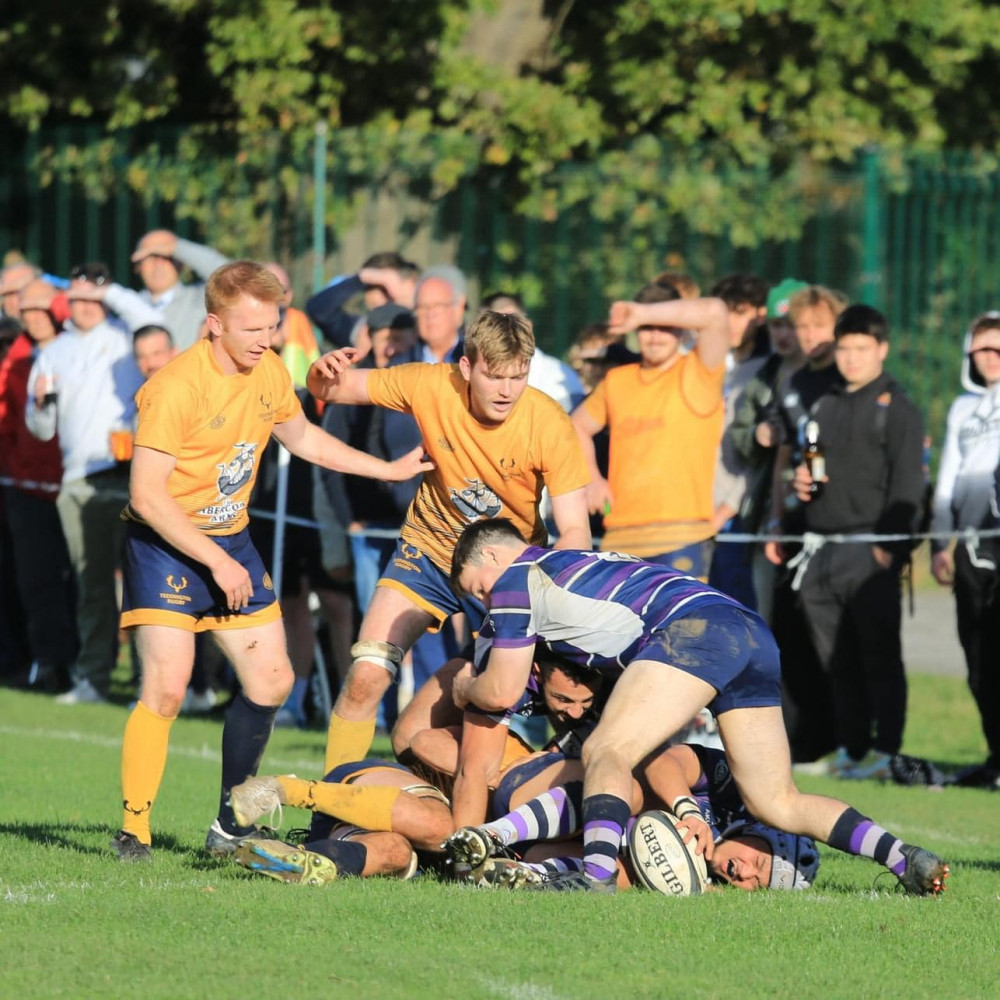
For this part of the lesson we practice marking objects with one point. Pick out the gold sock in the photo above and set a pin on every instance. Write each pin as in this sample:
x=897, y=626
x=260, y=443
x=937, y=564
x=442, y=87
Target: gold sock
x=144, y=758
x=367, y=806
x=347, y=742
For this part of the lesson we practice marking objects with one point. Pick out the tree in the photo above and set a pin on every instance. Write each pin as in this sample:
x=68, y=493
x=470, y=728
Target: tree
x=680, y=105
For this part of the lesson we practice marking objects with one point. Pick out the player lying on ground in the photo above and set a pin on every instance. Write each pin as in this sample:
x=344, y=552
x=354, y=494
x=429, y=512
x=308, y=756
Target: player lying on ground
x=692, y=781
x=371, y=817
x=392, y=798
x=676, y=646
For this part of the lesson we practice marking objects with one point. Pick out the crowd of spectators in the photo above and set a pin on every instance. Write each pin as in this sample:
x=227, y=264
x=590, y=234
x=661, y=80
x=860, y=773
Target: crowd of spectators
x=694, y=427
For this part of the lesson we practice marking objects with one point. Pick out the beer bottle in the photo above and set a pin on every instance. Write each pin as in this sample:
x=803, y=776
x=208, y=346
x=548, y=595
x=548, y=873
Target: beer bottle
x=813, y=457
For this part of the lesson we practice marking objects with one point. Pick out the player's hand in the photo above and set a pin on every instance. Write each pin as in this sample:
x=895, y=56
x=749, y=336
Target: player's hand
x=413, y=463
x=624, y=317
x=325, y=372
x=334, y=363
x=695, y=828
x=599, y=497
x=461, y=684
x=234, y=581
x=943, y=568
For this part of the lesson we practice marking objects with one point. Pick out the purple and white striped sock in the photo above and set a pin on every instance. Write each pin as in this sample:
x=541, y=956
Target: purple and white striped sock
x=552, y=815
x=604, y=820
x=554, y=866
x=856, y=834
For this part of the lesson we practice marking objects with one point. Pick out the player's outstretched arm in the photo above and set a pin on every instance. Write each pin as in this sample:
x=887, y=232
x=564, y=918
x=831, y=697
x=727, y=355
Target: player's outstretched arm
x=599, y=497
x=500, y=685
x=569, y=511
x=707, y=318
x=311, y=443
x=333, y=379
x=150, y=499
x=670, y=776
x=479, y=755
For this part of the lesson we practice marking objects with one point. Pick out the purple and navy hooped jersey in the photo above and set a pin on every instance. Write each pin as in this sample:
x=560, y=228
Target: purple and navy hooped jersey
x=594, y=608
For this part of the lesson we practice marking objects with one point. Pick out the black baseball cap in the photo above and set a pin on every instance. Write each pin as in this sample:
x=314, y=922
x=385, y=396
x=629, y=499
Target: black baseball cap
x=392, y=316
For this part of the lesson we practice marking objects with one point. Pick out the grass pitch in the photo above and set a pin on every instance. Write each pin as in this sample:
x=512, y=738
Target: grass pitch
x=76, y=923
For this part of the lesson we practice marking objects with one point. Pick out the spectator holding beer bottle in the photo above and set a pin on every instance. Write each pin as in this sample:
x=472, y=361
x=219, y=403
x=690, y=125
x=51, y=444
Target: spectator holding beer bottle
x=864, y=448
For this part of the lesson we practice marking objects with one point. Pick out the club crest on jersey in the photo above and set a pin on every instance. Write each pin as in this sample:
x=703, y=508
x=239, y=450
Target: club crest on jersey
x=268, y=412
x=476, y=501
x=235, y=474
x=509, y=469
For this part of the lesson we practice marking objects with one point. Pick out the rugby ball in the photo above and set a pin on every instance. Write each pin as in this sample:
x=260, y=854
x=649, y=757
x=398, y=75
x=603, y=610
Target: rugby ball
x=660, y=858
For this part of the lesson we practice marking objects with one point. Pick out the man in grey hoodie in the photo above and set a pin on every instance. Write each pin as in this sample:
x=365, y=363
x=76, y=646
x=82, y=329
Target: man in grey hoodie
x=962, y=500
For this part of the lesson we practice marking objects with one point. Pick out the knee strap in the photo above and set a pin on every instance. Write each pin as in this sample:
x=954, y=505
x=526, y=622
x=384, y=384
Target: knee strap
x=382, y=654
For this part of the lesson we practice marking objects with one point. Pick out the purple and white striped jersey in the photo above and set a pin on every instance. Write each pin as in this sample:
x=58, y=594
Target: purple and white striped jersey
x=594, y=608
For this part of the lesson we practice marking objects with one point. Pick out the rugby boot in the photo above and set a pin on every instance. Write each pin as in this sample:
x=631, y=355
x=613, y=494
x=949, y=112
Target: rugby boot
x=925, y=874
x=130, y=848
x=576, y=882
x=286, y=863
x=256, y=797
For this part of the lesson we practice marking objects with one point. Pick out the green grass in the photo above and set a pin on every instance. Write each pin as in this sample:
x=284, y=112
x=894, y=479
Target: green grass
x=75, y=923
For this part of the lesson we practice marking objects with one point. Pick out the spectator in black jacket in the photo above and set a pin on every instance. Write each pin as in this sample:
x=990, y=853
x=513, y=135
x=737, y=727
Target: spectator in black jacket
x=872, y=436
x=384, y=278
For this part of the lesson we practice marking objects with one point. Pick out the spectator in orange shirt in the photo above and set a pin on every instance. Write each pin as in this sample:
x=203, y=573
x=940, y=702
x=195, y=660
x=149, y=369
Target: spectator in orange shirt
x=665, y=419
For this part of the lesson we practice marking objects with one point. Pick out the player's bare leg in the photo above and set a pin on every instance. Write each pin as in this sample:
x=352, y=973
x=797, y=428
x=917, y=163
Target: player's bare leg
x=650, y=702
x=757, y=750
x=391, y=625
x=167, y=657
x=431, y=708
x=259, y=655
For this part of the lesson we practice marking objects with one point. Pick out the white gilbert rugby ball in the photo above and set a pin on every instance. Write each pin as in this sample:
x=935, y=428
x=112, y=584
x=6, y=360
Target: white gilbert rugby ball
x=660, y=858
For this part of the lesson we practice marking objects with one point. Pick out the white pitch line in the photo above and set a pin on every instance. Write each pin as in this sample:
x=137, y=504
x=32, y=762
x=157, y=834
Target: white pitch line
x=519, y=991
x=204, y=752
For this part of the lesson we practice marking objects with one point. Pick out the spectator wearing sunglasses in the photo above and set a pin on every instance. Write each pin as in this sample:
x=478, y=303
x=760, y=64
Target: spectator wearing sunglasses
x=962, y=496
x=81, y=388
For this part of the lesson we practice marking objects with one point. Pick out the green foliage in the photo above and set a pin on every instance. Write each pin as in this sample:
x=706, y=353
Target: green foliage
x=682, y=107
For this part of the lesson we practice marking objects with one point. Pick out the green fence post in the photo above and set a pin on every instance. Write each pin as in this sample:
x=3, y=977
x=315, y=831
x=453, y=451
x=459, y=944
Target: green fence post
x=33, y=239
x=871, y=258
x=319, y=206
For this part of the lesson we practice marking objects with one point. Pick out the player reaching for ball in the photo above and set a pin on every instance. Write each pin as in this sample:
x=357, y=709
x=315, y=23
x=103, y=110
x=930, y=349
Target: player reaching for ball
x=693, y=782
x=676, y=646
